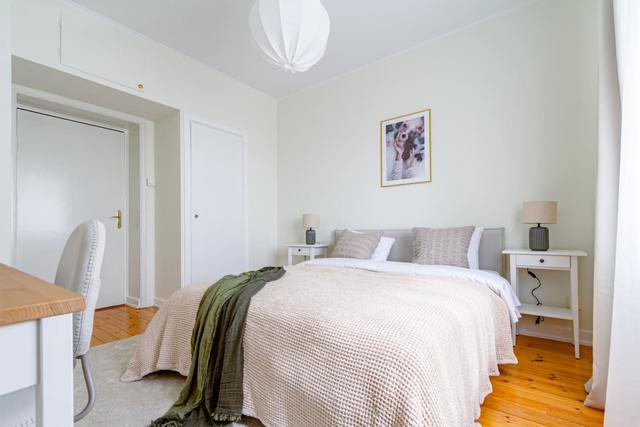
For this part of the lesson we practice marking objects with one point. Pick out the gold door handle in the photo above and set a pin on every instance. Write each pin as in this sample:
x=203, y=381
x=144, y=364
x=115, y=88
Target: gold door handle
x=119, y=218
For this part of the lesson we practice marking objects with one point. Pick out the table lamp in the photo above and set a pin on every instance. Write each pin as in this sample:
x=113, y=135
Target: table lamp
x=539, y=213
x=311, y=221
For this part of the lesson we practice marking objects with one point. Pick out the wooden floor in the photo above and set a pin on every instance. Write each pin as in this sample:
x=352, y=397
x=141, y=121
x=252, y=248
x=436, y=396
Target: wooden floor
x=122, y=321
x=545, y=388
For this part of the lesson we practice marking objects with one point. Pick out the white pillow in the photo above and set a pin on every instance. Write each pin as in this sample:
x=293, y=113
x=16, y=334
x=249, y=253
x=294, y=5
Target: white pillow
x=474, y=249
x=384, y=248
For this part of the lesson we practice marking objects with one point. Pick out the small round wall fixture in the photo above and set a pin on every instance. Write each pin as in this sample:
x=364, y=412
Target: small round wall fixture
x=291, y=34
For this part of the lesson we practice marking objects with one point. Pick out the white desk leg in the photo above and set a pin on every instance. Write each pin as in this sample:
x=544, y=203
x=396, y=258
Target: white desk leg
x=54, y=392
x=513, y=278
x=574, y=305
x=289, y=258
x=312, y=254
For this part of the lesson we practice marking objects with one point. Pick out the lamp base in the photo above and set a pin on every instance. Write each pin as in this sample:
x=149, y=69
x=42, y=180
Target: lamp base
x=539, y=238
x=311, y=236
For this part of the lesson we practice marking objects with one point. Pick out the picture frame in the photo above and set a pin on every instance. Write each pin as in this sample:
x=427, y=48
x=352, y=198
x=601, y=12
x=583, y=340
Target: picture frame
x=405, y=149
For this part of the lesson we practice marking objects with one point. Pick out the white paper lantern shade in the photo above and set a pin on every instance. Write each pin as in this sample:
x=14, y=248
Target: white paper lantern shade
x=292, y=34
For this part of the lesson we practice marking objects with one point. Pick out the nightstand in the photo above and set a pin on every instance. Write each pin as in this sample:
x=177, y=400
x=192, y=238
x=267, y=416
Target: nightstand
x=311, y=251
x=566, y=260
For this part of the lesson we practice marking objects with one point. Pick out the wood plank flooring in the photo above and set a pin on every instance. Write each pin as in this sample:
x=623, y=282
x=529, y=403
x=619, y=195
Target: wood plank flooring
x=545, y=389
x=121, y=321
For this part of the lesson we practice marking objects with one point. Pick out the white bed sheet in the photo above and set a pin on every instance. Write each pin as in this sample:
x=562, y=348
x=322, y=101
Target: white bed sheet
x=491, y=279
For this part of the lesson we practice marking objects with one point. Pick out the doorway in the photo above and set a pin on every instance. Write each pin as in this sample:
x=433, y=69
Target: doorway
x=68, y=171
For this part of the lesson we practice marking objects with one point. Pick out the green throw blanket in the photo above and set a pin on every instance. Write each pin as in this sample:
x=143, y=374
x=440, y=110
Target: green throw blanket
x=212, y=394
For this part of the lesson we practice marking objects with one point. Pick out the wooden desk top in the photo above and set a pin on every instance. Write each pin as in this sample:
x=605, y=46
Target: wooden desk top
x=24, y=297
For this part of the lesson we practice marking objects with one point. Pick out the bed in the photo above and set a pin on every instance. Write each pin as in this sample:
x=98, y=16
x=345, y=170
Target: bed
x=359, y=342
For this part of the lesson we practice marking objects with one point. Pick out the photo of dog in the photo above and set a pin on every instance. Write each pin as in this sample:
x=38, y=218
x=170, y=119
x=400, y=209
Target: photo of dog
x=406, y=149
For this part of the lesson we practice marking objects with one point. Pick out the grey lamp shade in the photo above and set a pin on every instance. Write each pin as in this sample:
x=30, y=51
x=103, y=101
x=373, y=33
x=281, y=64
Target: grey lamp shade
x=539, y=212
x=310, y=220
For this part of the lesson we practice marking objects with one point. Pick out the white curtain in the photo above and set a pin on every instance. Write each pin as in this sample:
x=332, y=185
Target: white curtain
x=608, y=155
x=616, y=371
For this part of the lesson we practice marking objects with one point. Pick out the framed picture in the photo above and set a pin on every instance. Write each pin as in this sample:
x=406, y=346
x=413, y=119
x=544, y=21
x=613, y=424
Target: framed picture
x=405, y=149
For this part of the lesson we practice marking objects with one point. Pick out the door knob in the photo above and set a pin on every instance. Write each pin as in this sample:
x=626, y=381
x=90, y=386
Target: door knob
x=118, y=217
x=196, y=216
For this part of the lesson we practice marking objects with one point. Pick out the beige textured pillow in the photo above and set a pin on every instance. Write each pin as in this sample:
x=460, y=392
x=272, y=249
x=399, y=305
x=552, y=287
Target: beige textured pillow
x=442, y=246
x=355, y=245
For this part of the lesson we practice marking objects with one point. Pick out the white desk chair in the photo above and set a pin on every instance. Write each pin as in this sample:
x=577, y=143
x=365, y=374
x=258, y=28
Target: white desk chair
x=79, y=271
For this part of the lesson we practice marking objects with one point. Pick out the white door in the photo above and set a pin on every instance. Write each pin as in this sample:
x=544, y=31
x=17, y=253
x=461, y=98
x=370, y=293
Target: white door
x=67, y=173
x=218, y=228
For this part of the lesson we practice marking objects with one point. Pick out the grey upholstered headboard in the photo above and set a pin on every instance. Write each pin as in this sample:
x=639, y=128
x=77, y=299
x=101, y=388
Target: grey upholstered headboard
x=491, y=246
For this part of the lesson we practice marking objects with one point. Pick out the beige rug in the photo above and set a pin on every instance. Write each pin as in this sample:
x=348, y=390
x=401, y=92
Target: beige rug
x=122, y=404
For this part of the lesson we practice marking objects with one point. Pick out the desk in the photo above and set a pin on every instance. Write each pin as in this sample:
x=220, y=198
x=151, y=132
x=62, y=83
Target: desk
x=36, y=350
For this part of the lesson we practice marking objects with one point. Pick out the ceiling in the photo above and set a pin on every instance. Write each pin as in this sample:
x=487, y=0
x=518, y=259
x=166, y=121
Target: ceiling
x=216, y=32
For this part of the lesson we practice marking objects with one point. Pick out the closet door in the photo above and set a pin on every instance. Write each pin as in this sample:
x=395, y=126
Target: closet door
x=216, y=192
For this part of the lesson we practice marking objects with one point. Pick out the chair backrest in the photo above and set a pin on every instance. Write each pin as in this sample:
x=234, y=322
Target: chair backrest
x=79, y=271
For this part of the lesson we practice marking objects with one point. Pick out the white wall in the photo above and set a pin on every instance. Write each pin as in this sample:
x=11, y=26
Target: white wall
x=6, y=163
x=167, y=160
x=513, y=104
x=133, y=212
x=172, y=79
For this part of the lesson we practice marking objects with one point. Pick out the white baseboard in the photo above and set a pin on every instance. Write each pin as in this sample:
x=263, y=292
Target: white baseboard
x=149, y=302
x=133, y=302
x=138, y=303
x=558, y=334
x=158, y=301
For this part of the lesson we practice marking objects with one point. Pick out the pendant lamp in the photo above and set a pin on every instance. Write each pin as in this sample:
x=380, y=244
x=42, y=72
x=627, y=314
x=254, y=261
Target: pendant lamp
x=292, y=34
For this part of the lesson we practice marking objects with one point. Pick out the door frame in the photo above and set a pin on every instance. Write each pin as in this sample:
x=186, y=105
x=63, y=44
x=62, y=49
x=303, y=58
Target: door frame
x=146, y=183
x=185, y=194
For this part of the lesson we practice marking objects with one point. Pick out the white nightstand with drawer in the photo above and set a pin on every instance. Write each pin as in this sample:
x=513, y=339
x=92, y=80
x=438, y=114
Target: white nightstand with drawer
x=566, y=260
x=311, y=251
